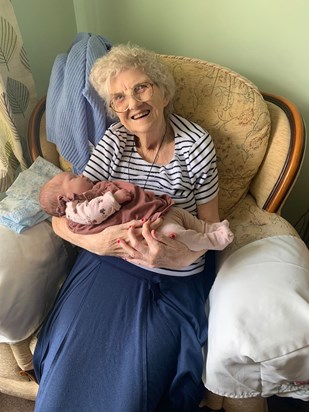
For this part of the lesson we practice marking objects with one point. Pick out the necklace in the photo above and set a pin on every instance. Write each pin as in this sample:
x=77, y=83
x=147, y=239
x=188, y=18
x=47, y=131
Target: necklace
x=154, y=160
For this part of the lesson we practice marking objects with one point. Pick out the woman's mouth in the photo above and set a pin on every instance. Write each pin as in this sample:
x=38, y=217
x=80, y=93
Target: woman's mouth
x=140, y=115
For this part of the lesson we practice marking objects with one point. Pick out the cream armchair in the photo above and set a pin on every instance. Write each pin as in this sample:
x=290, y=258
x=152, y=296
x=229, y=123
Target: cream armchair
x=260, y=141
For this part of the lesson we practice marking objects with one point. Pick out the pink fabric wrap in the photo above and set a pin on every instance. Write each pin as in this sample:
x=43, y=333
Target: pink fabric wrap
x=144, y=204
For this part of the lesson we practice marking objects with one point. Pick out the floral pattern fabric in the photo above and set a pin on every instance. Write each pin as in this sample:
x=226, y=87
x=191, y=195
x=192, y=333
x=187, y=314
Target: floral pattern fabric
x=233, y=110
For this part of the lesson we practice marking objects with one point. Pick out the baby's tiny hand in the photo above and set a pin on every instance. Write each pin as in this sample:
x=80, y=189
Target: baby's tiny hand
x=122, y=195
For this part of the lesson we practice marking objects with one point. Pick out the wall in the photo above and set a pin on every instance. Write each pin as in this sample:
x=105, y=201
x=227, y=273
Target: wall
x=266, y=41
x=48, y=28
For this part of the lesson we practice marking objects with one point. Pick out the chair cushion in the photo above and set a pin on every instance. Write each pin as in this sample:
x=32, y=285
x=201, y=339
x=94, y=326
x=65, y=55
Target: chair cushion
x=249, y=223
x=232, y=109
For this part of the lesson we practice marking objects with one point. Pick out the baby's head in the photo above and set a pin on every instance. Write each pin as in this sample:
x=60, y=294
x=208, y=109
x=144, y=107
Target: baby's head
x=62, y=186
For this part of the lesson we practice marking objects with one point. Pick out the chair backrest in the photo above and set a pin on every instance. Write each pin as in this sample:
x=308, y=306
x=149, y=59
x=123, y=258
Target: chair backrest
x=259, y=138
x=233, y=110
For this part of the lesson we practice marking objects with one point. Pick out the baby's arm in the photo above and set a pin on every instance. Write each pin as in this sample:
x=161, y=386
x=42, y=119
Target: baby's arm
x=96, y=210
x=122, y=196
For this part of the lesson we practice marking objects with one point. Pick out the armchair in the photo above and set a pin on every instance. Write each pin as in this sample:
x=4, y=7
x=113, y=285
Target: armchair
x=260, y=140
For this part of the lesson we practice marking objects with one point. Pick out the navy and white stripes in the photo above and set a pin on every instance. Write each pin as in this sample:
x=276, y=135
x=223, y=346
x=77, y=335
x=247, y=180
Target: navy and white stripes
x=190, y=178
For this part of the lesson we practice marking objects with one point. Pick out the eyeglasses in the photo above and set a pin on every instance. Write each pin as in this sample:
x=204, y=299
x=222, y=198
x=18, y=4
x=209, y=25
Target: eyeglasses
x=140, y=92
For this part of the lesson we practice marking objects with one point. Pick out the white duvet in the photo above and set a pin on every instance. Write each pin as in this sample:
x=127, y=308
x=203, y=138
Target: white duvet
x=259, y=321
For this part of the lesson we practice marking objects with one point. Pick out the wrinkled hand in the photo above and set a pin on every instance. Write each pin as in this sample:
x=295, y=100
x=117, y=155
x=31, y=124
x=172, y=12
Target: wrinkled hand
x=148, y=248
x=105, y=243
x=134, y=241
x=109, y=242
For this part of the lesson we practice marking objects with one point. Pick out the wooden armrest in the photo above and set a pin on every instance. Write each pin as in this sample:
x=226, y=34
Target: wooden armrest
x=294, y=156
x=34, y=129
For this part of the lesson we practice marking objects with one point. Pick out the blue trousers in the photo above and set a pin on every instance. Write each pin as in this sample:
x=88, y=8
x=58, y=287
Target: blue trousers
x=121, y=338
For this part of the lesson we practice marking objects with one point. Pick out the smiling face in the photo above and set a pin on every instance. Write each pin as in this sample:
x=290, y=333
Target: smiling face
x=142, y=118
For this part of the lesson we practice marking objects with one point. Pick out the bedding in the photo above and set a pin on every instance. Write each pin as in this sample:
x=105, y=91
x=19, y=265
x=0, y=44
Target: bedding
x=259, y=321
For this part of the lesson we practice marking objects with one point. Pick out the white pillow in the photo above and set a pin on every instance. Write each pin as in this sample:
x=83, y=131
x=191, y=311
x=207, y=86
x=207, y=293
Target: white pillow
x=33, y=265
x=259, y=321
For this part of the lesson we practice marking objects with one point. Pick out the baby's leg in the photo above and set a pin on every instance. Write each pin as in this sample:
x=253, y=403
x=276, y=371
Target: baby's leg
x=195, y=233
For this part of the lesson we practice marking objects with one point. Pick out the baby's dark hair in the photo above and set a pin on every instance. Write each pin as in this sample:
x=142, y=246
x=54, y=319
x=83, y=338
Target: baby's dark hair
x=49, y=198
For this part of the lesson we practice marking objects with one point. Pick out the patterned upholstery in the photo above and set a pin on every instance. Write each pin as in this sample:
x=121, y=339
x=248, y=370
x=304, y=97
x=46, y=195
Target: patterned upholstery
x=252, y=139
x=232, y=109
x=235, y=113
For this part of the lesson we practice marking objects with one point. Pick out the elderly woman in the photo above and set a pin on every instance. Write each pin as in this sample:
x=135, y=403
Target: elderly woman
x=127, y=330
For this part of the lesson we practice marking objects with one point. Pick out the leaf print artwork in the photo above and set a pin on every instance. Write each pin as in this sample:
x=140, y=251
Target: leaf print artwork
x=7, y=118
x=24, y=59
x=7, y=126
x=18, y=95
x=8, y=157
x=8, y=41
x=9, y=149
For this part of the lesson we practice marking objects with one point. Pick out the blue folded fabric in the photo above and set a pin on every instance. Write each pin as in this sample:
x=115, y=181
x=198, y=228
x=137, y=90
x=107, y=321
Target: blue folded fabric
x=20, y=209
x=75, y=114
x=17, y=214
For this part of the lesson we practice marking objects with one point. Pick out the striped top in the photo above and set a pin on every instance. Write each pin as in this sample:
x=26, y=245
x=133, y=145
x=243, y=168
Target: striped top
x=190, y=178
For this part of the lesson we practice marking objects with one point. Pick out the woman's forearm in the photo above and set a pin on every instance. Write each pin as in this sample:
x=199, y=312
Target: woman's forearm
x=95, y=243
x=105, y=243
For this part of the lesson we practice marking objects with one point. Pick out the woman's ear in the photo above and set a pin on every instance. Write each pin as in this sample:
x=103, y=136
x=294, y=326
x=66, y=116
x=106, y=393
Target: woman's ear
x=166, y=98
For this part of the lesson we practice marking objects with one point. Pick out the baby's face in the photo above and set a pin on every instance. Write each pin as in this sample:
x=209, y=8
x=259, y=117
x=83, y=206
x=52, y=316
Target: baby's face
x=75, y=184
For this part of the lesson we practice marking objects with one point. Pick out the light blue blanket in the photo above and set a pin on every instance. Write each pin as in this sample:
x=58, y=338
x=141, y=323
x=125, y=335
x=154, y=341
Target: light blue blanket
x=75, y=114
x=20, y=209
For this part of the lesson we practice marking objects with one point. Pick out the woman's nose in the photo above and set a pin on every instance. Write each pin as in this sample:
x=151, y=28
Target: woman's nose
x=133, y=102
